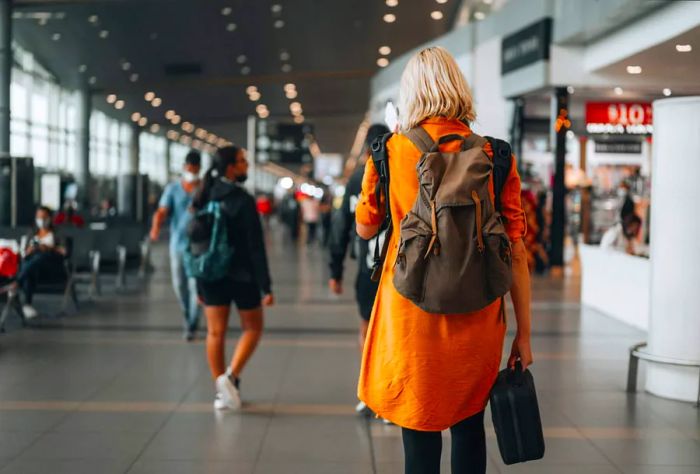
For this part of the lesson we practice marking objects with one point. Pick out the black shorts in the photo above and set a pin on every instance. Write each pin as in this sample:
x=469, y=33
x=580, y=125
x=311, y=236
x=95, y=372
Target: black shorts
x=245, y=295
x=365, y=293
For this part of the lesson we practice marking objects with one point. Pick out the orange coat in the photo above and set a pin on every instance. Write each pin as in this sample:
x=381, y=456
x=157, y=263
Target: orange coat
x=419, y=370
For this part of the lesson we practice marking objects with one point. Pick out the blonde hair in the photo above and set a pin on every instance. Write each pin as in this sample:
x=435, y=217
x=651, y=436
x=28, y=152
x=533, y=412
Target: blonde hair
x=433, y=86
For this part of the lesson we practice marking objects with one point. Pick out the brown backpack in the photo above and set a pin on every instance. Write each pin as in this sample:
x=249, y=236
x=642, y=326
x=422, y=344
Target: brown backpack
x=454, y=254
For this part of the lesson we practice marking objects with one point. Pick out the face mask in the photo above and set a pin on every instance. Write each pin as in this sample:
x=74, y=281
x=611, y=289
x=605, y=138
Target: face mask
x=189, y=177
x=40, y=223
x=242, y=178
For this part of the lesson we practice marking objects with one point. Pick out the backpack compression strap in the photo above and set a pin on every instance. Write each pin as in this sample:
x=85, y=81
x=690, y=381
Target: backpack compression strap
x=380, y=159
x=502, y=160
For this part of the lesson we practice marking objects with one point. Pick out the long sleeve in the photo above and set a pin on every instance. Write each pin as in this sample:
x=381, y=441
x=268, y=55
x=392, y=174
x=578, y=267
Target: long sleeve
x=369, y=211
x=342, y=226
x=256, y=246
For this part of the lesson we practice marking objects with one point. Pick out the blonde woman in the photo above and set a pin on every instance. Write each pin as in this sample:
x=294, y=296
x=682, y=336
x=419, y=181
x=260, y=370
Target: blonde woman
x=430, y=372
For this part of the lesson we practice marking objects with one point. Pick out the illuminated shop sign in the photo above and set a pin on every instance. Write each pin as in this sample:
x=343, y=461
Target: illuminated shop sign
x=619, y=118
x=527, y=46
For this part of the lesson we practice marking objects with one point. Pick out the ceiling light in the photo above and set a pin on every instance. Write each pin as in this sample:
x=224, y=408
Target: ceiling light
x=570, y=89
x=221, y=142
x=241, y=59
x=385, y=50
x=93, y=19
x=295, y=106
x=111, y=98
x=173, y=135
x=92, y=80
x=392, y=3
x=175, y=120
x=684, y=48
x=170, y=114
x=299, y=119
x=226, y=11
x=291, y=94
x=436, y=15
x=134, y=77
x=618, y=91
x=156, y=102
x=441, y=1
x=286, y=68
x=119, y=104
x=634, y=69
x=43, y=21
x=285, y=56
x=231, y=27
x=276, y=8
x=135, y=117
x=382, y=62
x=149, y=96
x=126, y=65
x=260, y=108
x=211, y=138
x=389, y=18
x=201, y=133
x=667, y=92
x=245, y=70
x=185, y=140
x=56, y=36
x=488, y=2
x=264, y=114
x=82, y=68
x=186, y=125
x=290, y=87
x=279, y=24
x=251, y=89
x=155, y=128
x=255, y=96
x=143, y=122
x=104, y=34
x=479, y=16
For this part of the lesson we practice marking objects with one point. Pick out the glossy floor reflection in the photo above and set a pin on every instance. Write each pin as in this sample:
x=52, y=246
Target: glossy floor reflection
x=113, y=389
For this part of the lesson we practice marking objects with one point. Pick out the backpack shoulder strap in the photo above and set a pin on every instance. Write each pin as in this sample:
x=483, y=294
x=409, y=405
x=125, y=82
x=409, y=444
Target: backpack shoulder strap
x=380, y=159
x=421, y=139
x=502, y=161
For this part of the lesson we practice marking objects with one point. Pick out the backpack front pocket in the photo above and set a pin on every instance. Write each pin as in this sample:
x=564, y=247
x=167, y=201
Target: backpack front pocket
x=498, y=258
x=411, y=260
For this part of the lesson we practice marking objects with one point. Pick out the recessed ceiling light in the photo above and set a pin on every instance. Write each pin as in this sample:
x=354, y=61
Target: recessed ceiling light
x=155, y=128
x=226, y=11
x=126, y=65
x=56, y=36
x=441, y=1
x=149, y=96
x=684, y=48
x=260, y=107
x=93, y=19
x=92, y=80
x=634, y=69
x=111, y=98
x=250, y=89
x=667, y=92
x=134, y=77
x=285, y=56
x=299, y=119
x=286, y=68
x=382, y=62
x=135, y=117
x=436, y=15
x=289, y=87
x=241, y=59
x=175, y=120
x=119, y=104
x=255, y=96
x=479, y=16
x=156, y=102
x=385, y=50
x=279, y=24
x=488, y=2
x=295, y=108
x=570, y=89
x=143, y=122
x=231, y=27
x=82, y=68
x=291, y=94
x=618, y=90
x=264, y=114
x=276, y=8
x=43, y=21
x=389, y=18
x=392, y=3
x=104, y=34
x=245, y=70
x=170, y=114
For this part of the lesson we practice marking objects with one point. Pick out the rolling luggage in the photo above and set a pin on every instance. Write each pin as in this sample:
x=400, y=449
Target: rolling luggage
x=516, y=416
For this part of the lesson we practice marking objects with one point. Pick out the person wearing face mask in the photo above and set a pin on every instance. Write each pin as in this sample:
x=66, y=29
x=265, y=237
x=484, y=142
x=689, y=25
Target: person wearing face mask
x=175, y=205
x=41, y=256
x=247, y=283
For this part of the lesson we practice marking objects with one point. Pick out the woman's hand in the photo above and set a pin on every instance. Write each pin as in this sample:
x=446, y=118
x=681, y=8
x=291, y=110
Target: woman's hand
x=268, y=300
x=520, y=350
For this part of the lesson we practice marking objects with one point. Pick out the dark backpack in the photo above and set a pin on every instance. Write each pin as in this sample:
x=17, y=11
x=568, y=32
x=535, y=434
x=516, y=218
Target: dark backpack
x=454, y=254
x=208, y=254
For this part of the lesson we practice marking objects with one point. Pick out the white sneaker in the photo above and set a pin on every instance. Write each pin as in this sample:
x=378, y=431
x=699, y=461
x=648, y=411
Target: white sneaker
x=29, y=311
x=219, y=403
x=230, y=396
x=361, y=408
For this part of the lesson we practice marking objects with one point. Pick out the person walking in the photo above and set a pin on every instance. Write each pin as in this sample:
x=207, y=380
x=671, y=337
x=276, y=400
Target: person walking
x=175, y=205
x=247, y=285
x=343, y=235
x=430, y=372
x=311, y=214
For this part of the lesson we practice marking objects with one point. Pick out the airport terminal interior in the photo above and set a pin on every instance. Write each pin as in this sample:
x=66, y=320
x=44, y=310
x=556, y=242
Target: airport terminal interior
x=121, y=120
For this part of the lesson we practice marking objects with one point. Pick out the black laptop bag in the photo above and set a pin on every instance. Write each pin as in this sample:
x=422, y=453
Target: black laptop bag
x=516, y=416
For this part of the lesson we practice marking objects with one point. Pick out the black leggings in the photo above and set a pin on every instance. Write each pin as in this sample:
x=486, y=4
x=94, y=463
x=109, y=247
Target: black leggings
x=422, y=449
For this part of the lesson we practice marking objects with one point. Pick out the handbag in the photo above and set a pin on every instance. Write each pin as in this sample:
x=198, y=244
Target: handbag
x=516, y=416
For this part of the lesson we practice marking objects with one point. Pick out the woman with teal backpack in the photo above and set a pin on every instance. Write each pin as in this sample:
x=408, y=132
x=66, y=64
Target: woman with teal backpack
x=247, y=281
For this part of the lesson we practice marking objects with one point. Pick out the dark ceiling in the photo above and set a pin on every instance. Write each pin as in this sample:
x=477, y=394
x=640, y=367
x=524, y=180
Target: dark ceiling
x=330, y=45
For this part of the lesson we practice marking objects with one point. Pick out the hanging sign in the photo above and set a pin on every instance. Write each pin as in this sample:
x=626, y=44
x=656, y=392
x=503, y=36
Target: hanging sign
x=619, y=118
x=527, y=46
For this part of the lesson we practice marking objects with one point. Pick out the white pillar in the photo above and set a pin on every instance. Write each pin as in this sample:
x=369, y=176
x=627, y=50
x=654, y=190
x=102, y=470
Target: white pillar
x=674, y=326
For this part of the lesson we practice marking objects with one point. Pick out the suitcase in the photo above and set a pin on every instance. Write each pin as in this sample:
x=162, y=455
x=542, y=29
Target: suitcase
x=516, y=416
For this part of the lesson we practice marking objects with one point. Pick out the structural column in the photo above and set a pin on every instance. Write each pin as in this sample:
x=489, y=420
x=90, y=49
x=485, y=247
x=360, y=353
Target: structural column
x=560, y=125
x=129, y=192
x=251, y=138
x=674, y=326
x=168, y=159
x=84, y=111
x=5, y=73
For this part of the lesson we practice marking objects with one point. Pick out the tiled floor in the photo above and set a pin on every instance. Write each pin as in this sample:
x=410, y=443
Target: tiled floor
x=113, y=389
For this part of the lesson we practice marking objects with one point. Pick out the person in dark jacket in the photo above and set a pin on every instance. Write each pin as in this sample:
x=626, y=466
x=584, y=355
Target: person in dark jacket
x=342, y=236
x=248, y=284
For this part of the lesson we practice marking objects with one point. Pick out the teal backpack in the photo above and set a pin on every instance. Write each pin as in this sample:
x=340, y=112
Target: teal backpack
x=208, y=254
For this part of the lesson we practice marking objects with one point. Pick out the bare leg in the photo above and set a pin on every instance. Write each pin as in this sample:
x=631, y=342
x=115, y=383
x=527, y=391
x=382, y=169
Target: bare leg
x=364, y=325
x=217, y=323
x=252, y=327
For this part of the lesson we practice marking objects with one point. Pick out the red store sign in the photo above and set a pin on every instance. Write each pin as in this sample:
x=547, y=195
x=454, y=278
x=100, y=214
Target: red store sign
x=619, y=118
